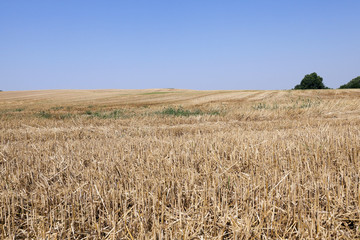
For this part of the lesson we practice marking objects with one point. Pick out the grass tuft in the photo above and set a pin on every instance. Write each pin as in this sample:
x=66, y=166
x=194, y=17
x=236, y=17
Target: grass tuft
x=115, y=114
x=43, y=114
x=181, y=112
x=57, y=108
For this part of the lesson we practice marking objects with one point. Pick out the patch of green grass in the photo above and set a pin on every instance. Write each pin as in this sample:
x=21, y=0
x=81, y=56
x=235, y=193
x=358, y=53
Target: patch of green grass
x=48, y=115
x=65, y=116
x=88, y=112
x=115, y=114
x=170, y=111
x=213, y=112
x=44, y=114
x=305, y=103
x=260, y=106
x=19, y=109
x=57, y=108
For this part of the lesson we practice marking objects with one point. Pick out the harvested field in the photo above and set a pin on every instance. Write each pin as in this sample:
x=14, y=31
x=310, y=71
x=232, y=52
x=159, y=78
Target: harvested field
x=180, y=164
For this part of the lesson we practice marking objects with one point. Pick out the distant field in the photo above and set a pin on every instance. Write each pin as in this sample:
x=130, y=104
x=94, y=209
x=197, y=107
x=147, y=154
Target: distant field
x=179, y=164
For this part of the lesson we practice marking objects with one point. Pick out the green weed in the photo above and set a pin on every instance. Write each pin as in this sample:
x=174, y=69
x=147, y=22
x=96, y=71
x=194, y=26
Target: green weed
x=57, y=108
x=261, y=106
x=44, y=114
x=116, y=114
x=170, y=111
x=65, y=116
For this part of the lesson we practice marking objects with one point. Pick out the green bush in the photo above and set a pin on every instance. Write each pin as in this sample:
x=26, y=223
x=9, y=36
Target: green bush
x=355, y=83
x=311, y=81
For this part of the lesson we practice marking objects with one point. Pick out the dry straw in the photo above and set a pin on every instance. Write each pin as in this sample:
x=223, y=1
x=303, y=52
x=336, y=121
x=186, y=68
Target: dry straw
x=242, y=165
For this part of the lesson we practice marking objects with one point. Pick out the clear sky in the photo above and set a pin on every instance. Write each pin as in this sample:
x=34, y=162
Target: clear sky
x=191, y=44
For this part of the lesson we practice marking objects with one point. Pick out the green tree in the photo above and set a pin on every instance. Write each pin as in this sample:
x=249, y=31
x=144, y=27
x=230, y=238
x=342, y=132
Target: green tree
x=355, y=83
x=311, y=81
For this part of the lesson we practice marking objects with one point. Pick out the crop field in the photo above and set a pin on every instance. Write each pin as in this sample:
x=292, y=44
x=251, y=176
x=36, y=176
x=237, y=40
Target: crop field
x=180, y=164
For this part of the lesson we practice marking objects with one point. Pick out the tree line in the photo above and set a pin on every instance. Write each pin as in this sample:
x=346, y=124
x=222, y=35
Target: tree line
x=314, y=81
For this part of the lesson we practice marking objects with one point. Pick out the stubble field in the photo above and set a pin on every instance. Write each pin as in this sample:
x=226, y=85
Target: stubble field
x=179, y=164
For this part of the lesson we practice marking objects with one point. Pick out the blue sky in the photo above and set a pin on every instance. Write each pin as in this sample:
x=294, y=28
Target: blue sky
x=188, y=44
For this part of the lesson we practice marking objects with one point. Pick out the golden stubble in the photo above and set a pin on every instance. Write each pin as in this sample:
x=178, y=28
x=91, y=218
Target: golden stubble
x=267, y=165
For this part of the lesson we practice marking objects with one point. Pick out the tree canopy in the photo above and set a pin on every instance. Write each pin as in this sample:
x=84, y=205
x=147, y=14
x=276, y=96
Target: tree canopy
x=311, y=81
x=355, y=83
